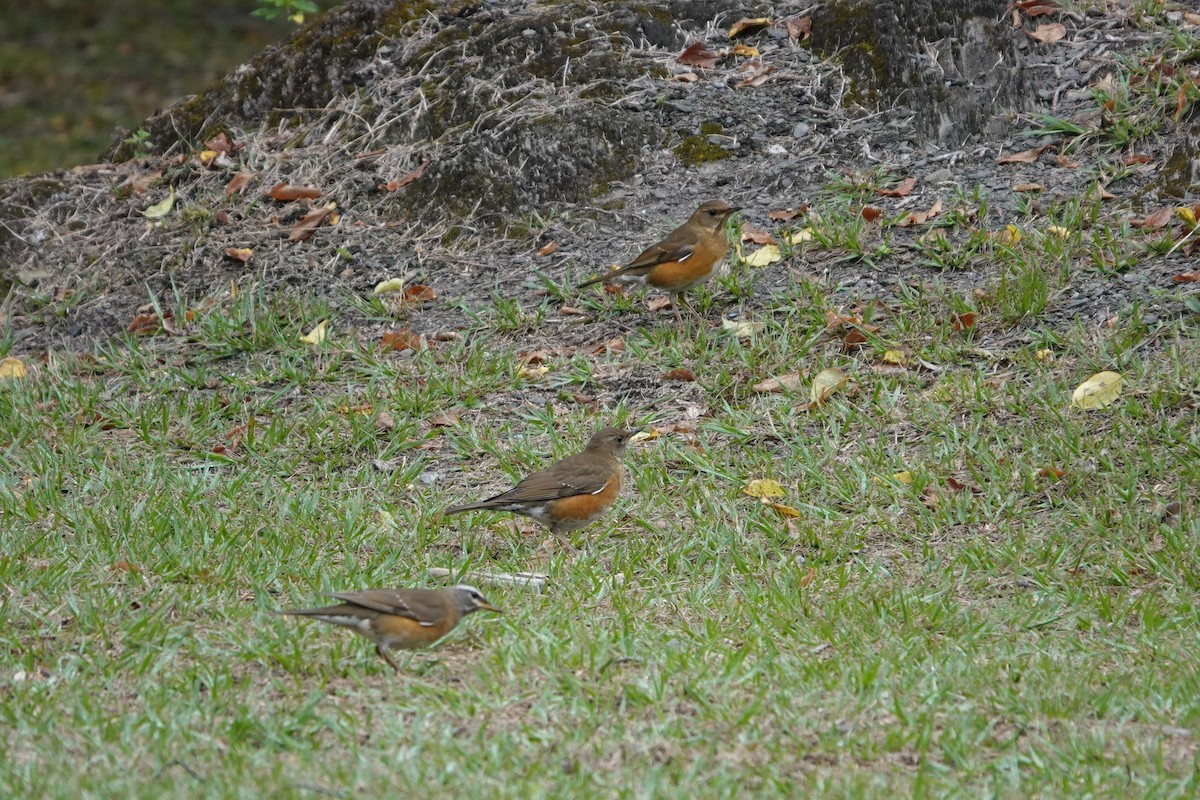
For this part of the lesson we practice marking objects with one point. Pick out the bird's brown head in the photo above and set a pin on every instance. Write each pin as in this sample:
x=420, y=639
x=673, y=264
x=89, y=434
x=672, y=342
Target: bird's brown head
x=712, y=214
x=469, y=599
x=610, y=440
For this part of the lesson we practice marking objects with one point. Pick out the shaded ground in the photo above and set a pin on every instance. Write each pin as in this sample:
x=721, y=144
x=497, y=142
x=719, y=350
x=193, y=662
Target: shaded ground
x=73, y=73
x=83, y=259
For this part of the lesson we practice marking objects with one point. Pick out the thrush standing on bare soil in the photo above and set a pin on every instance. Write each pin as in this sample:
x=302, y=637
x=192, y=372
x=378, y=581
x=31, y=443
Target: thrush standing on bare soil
x=400, y=619
x=570, y=494
x=687, y=257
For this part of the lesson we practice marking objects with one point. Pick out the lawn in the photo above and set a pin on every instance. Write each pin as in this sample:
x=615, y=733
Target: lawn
x=968, y=588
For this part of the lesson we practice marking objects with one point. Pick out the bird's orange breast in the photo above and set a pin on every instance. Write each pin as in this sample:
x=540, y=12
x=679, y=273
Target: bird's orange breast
x=404, y=633
x=679, y=275
x=581, y=509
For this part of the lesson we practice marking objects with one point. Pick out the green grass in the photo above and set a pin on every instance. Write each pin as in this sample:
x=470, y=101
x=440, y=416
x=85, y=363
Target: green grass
x=1023, y=636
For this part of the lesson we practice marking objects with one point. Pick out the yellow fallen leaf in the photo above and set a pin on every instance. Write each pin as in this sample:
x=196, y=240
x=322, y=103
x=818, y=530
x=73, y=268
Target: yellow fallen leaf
x=768, y=254
x=799, y=237
x=161, y=208
x=645, y=435
x=828, y=381
x=745, y=50
x=530, y=372
x=895, y=357
x=1058, y=231
x=763, y=487
x=389, y=286
x=12, y=367
x=316, y=335
x=1045, y=354
x=1187, y=214
x=1010, y=235
x=742, y=329
x=1097, y=391
x=785, y=511
x=904, y=477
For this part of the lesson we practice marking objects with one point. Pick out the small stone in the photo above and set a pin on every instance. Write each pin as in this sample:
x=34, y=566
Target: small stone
x=801, y=130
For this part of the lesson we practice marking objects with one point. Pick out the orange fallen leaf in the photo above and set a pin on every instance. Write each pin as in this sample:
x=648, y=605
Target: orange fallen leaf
x=696, y=56
x=572, y=311
x=1028, y=187
x=871, y=213
x=614, y=345
x=239, y=253
x=1136, y=158
x=286, y=192
x=1187, y=277
x=143, y=324
x=417, y=293
x=684, y=375
x=547, y=248
x=1051, y=472
x=902, y=189
x=658, y=303
x=755, y=74
x=403, y=339
x=962, y=322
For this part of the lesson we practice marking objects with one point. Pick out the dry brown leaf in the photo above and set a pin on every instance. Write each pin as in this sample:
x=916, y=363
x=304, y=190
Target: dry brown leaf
x=221, y=144
x=1187, y=277
x=685, y=77
x=1159, y=219
x=572, y=311
x=683, y=375
x=1136, y=158
x=1066, y=162
x=1028, y=187
x=902, y=189
x=871, y=213
x=696, y=56
x=411, y=176
x=754, y=73
x=547, y=248
x=752, y=233
x=1049, y=33
x=286, y=193
x=748, y=25
x=614, y=345
x=241, y=254
x=921, y=217
x=798, y=27
x=1025, y=156
x=143, y=324
x=1035, y=8
x=658, y=303
x=827, y=382
x=309, y=223
x=446, y=420
x=238, y=183
x=854, y=340
x=1103, y=193
x=1051, y=472
x=787, y=214
x=783, y=383
x=403, y=339
x=745, y=51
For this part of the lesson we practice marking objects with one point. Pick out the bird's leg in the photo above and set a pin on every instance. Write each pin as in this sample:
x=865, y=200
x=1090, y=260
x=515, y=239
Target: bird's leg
x=387, y=657
x=676, y=302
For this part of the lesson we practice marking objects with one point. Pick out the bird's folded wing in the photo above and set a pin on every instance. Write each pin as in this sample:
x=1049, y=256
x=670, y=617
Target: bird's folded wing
x=565, y=479
x=387, y=601
x=670, y=249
